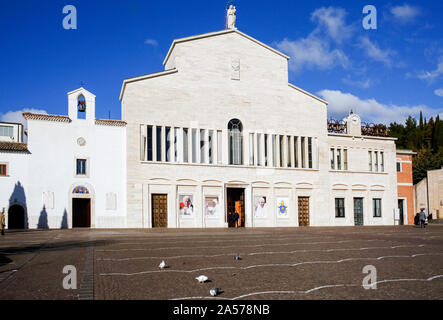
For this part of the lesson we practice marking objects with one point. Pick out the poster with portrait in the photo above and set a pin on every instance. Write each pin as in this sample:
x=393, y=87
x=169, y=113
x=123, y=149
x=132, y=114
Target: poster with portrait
x=212, y=207
x=260, y=207
x=186, y=206
x=282, y=207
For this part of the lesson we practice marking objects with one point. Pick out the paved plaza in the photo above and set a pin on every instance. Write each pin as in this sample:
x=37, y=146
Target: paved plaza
x=284, y=263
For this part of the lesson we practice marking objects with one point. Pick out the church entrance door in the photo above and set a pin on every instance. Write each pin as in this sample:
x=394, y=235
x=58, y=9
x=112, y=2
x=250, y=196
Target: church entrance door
x=235, y=203
x=81, y=213
x=159, y=210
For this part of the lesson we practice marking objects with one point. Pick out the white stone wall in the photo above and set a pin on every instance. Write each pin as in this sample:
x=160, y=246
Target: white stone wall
x=14, y=187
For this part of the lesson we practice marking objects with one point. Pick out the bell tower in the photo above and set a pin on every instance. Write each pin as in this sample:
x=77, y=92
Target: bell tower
x=353, y=124
x=81, y=105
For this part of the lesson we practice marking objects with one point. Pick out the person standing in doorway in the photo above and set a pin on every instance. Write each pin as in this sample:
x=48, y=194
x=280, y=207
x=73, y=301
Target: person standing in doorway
x=2, y=221
x=422, y=218
x=236, y=217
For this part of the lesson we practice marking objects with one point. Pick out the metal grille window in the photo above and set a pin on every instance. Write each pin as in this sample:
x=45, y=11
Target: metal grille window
x=235, y=129
x=296, y=151
x=176, y=144
x=266, y=150
x=339, y=207
x=332, y=159
x=259, y=158
x=376, y=204
x=81, y=167
x=288, y=151
x=370, y=160
x=398, y=166
x=345, y=159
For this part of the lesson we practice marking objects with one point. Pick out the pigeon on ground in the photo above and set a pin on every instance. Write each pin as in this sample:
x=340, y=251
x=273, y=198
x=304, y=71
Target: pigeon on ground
x=237, y=257
x=162, y=265
x=202, y=279
x=214, y=292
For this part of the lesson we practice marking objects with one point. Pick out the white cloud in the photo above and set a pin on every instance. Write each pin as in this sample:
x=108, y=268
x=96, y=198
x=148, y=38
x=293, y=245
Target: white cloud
x=405, y=13
x=151, y=42
x=331, y=21
x=373, y=51
x=17, y=117
x=315, y=50
x=439, y=92
x=365, y=84
x=370, y=110
x=312, y=52
x=432, y=75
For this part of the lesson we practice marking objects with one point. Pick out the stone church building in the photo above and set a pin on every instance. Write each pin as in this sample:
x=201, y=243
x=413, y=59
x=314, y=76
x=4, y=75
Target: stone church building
x=220, y=131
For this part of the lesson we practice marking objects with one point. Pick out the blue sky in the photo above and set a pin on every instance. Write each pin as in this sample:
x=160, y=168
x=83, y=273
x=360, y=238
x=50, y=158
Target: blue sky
x=383, y=74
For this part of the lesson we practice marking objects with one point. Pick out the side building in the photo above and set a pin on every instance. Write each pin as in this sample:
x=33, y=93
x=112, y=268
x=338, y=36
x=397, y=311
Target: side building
x=70, y=173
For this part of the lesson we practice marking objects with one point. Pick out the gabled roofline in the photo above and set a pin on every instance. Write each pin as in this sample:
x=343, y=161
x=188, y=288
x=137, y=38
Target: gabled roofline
x=307, y=93
x=80, y=89
x=146, y=76
x=212, y=34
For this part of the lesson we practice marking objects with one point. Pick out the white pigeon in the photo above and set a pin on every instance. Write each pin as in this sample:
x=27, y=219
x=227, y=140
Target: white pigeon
x=162, y=265
x=214, y=291
x=202, y=279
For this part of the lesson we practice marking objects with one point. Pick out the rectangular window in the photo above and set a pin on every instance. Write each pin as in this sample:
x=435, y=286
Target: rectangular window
x=274, y=148
x=219, y=147
x=251, y=149
x=266, y=150
x=194, y=145
x=185, y=145
x=296, y=151
x=81, y=167
x=376, y=161
x=168, y=144
x=202, y=146
x=370, y=160
x=303, y=152
x=338, y=159
x=398, y=166
x=6, y=131
x=259, y=159
x=345, y=159
x=310, y=152
x=332, y=159
x=159, y=143
x=210, y=148
x=288, y=151
x=176, y=144
x=382, y=162
x=3, y=170
x=150, y=152
x=339, y=207
x=282, y=151
x=376, y=203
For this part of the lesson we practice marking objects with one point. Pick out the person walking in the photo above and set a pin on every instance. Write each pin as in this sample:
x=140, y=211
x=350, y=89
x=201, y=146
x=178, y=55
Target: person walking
x=2, y=221
x=422, y=218
x=236, y=217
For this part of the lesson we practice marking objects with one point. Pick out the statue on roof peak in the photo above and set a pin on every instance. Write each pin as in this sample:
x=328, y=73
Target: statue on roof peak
x=231, y=17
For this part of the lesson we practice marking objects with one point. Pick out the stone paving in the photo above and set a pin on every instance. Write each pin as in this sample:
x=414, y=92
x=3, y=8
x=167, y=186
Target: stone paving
x=283, y=263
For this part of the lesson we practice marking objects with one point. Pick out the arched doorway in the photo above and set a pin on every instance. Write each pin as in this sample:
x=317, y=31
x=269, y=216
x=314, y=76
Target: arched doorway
x=81, y=208
x=16, y=217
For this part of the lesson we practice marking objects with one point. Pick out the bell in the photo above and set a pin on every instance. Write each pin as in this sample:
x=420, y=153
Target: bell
x=81, y=106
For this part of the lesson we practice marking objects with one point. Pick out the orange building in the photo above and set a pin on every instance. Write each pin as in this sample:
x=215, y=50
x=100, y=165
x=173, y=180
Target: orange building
x=405, y=187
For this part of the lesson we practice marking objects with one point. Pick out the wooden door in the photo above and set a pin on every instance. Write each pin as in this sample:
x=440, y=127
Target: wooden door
x=159, y=211
x=303, y=211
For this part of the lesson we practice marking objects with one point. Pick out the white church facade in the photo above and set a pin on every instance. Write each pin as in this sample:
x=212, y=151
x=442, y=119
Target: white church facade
x=220, y=131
